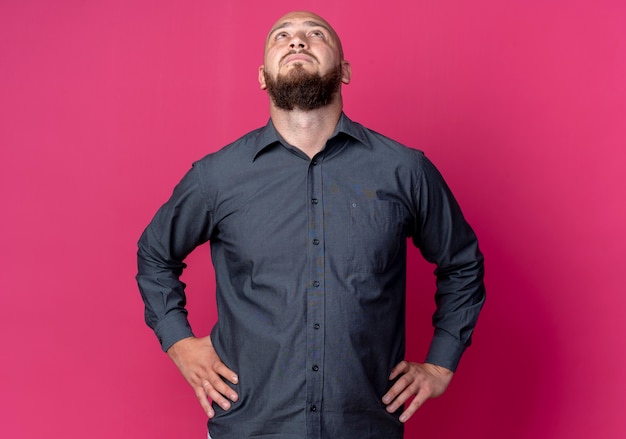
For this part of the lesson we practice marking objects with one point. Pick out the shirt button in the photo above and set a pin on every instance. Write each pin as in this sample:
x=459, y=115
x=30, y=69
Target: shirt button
x=313, y=200
x=316, y=242
x=316, y=326
x=313, y=408
x=315, y=368
x=316, y=283
x=314, y=162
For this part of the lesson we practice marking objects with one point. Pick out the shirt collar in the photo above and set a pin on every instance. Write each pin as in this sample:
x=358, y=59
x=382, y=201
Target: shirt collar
x=268, y=135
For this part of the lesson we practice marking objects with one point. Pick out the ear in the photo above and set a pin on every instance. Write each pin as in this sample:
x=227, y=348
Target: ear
x=346, y=72
x=262, y=77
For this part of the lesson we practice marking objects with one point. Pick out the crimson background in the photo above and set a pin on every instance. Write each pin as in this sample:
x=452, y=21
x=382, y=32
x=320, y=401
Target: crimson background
x=521, y=104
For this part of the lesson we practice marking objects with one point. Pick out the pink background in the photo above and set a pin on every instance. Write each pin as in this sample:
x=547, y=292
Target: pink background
x=521, y=104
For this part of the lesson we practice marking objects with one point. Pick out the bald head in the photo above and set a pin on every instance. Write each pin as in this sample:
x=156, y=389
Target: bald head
x=308, y=18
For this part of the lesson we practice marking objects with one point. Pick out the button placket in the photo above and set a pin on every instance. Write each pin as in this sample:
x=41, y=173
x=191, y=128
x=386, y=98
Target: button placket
x=315, y=298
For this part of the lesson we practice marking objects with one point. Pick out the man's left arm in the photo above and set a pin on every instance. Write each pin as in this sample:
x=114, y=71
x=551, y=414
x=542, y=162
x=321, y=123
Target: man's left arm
x=445, y=238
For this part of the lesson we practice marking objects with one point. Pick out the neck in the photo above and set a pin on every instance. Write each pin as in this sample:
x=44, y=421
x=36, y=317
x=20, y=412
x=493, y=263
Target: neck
x=307, y=130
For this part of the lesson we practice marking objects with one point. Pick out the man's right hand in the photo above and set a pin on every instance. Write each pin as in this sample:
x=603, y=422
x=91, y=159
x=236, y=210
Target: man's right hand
x=204, y=371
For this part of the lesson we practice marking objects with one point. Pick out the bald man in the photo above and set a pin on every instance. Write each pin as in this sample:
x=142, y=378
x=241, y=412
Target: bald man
x=308, y=220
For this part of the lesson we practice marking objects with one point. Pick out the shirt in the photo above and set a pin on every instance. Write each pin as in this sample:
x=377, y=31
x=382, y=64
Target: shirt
x=310, y=268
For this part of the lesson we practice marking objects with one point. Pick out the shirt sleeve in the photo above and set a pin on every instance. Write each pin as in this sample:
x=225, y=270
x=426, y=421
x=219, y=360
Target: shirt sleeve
x=179, y=226
x=446, y=239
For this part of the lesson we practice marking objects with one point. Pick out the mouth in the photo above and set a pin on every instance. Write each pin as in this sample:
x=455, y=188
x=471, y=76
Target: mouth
x=294, y=56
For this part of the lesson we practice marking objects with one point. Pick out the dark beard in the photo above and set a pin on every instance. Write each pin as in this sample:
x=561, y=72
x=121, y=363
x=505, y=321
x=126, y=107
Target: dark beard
x=302, y=90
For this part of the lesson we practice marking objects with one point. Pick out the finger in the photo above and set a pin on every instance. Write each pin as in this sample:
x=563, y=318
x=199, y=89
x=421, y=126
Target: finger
x=400, y=399
x=413, y=407
x=201, y=394
x=399, y=386
x=400, y=368
x=220, y=386
x=220, y=396
x=225, y=372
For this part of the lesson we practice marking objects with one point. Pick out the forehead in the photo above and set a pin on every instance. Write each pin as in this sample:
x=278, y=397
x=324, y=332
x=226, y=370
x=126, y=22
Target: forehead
x=303, y=18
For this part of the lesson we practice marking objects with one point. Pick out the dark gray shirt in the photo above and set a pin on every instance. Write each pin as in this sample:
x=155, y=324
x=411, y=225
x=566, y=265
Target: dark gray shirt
x=310, y=267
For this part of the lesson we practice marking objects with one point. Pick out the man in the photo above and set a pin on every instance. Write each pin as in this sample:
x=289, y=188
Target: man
x=308, y=219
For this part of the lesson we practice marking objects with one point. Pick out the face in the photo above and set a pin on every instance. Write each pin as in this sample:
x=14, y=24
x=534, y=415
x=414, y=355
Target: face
x=302, y=42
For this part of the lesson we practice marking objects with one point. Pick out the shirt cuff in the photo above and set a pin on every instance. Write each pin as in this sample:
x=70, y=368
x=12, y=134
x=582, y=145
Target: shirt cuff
x=172, y=328
x=445, y=351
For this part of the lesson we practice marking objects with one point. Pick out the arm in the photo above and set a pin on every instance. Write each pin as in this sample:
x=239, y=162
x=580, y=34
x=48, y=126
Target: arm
x=180, y=225
x=446, y=239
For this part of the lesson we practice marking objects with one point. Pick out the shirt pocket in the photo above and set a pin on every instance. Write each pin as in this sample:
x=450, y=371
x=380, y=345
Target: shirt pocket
x=375, y=235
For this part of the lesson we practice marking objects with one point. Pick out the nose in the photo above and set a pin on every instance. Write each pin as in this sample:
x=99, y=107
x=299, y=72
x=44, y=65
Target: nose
x=299, y=45
x=297, y=42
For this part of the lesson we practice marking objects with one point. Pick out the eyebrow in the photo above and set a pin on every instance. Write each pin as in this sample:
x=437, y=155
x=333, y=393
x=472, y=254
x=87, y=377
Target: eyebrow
x=309, y=23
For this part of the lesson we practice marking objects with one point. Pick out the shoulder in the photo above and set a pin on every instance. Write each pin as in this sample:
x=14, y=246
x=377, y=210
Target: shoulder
x=235, y=153
x=379, y=143
x=225, y=168
x=388, y=149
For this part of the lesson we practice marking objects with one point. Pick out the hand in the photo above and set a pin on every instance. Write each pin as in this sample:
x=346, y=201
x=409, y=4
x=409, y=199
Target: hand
x=204, y=371
x=423, y=381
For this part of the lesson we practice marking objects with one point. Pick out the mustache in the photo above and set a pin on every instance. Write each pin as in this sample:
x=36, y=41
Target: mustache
x=304, y=51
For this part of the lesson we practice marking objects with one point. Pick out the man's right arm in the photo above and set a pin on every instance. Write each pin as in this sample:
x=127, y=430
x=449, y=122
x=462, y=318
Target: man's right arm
x=179, y=226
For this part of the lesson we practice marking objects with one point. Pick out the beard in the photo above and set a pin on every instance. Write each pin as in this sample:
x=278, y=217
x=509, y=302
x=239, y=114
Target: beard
x=302, y=90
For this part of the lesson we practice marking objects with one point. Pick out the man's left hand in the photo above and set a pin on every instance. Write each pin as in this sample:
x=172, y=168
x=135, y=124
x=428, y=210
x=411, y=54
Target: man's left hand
x=424, y=381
